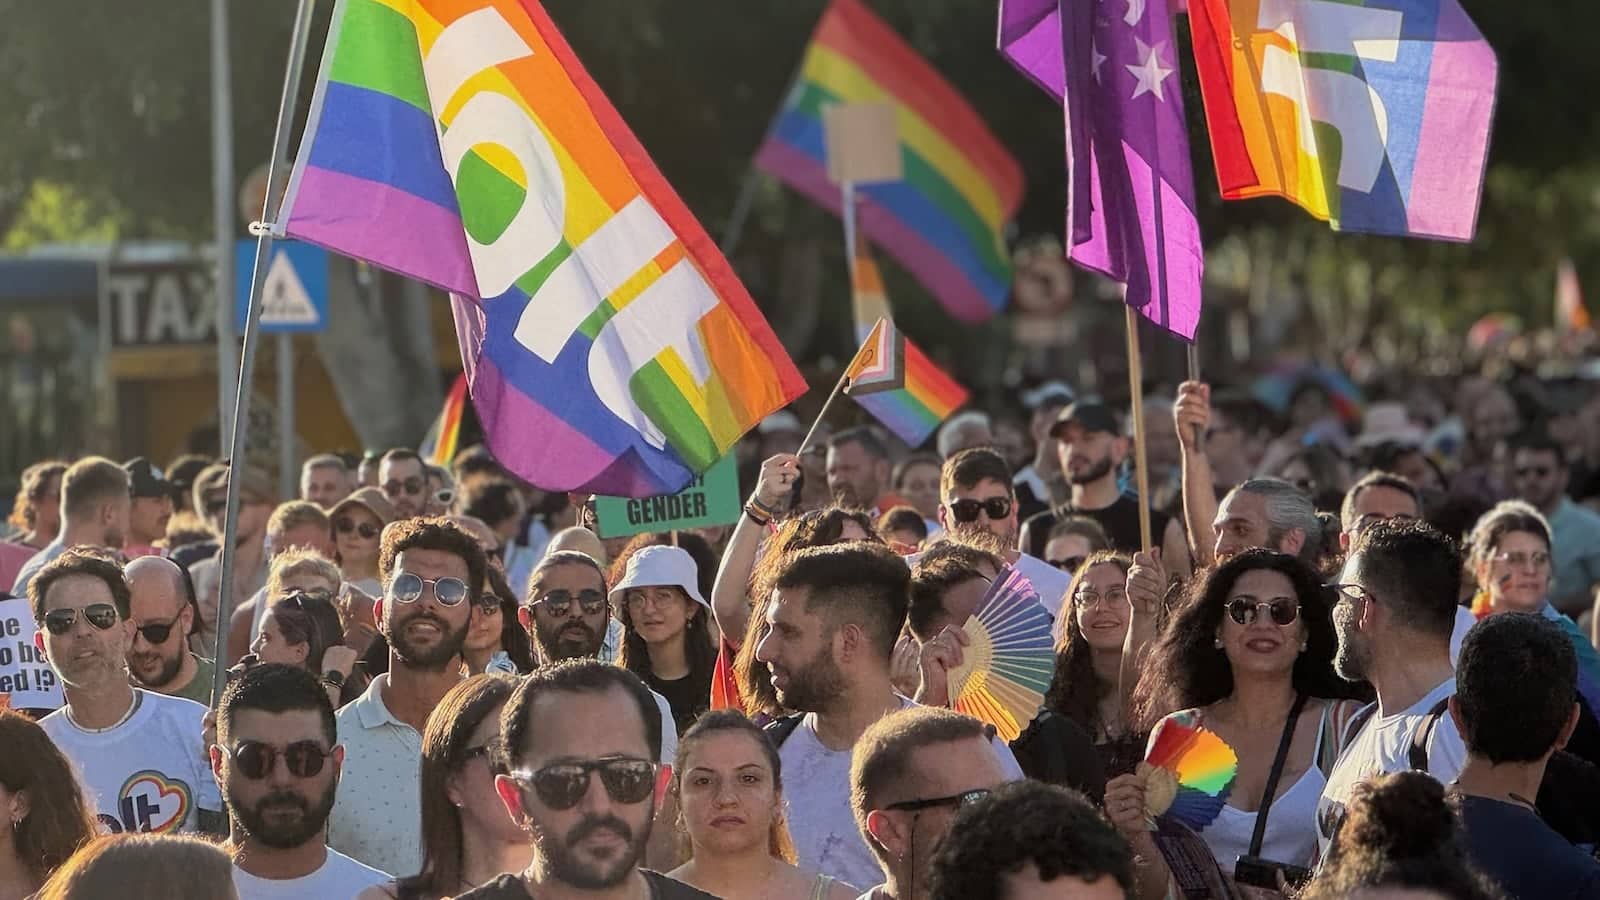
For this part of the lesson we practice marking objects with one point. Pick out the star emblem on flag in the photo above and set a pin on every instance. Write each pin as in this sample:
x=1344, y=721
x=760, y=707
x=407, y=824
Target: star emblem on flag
x=1149, y=72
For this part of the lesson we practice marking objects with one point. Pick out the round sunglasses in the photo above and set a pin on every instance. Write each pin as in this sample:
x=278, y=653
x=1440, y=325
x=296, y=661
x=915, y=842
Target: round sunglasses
x=558, y=603
x=101, y=615
x=256, y=760
x=367, y=530
x=1282, y=610
x=407, y=588
x=561, y=786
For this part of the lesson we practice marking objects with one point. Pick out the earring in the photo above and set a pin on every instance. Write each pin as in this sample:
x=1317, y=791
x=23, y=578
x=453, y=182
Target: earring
x=1304, y=645
x=1217, y=642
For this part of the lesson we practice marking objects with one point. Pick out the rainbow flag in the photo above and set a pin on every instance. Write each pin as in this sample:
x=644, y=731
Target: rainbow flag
x=443, y=439
x=901, y=387
x=608, y=346
x=1374, y=117
x=944, y=221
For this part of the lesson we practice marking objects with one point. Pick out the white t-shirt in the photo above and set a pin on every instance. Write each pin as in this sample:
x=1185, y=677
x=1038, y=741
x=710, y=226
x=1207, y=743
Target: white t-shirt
x=151, y=773
x=1383, y=747
x=338, y=878
x=1464, y=622
x=820, y=821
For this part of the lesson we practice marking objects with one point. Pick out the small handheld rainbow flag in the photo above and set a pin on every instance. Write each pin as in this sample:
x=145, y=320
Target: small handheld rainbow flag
x=900, y=386
x=944, y=220
x=608, y=345
x=1188, y=772
x=442, y=441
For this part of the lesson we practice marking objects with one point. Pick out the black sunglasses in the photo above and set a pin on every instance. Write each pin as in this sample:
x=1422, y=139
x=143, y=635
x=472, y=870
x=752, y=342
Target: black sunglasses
x=558, y=603
x=345, y=525
x=256, y=760
x=1282, y=610
x=407, y=588
x=562, y=786
x=1070, y=564
x=965, y=798
x=409, y=486
x=158, y=632
x=967, y=510
x=100, y=615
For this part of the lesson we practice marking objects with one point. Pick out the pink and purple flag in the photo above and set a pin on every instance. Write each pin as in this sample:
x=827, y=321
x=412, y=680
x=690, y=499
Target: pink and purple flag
x=1130, y=188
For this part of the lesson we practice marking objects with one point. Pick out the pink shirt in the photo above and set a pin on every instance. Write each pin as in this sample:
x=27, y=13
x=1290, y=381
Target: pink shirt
x=13, y=557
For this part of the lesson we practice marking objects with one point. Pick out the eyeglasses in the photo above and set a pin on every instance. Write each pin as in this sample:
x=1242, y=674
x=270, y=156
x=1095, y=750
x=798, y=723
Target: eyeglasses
x=487, y=603
x=1534, y=471
x=345, y=525
x=1091, y=599
x=1245, y=610
x=1517, y=560
x=561, y=786
x=101, y=615
x=158, y=632
x=444, y=496
x=965, y=798
x=407, y=588
x=1355, y=593
x=410, y=486
x=256, y=760
x=995, y=508
x=1070, y=564
x=558, y=603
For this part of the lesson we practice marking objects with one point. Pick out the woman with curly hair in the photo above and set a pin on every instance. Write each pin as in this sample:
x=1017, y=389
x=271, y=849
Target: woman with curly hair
x=36, y=515
x=1248, y=655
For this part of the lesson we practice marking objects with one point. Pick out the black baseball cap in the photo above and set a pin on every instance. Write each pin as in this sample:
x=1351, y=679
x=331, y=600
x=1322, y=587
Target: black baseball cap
x=145, y=480
x=1088, y=415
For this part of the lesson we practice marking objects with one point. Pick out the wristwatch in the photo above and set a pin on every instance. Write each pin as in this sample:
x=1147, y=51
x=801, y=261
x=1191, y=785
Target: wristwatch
x=333, y=679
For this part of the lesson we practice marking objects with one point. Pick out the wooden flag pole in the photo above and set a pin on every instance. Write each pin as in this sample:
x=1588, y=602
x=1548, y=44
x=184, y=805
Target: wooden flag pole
x=806, y=442
x=1194, y=375
x=264, y=232
x=1141, y=472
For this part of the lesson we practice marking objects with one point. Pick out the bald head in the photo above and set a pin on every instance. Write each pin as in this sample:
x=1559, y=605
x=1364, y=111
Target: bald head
x=159, y=595
x=156, y=574
x=580, y=539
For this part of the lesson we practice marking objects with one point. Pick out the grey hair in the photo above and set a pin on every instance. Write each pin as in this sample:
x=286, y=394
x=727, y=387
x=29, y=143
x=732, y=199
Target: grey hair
x=946, y=442
x=1288, y=508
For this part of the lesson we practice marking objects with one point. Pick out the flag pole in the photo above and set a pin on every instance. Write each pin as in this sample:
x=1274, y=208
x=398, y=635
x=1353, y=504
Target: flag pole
x=1193, y=351
x=1136, y=391
x=264, y=232
x=806, y=442
x=847, y=212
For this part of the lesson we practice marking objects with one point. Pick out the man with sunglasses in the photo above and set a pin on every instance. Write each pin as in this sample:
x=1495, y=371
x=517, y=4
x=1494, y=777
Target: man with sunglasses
x=1540, y=476
x=278, y=762
x=910, y=772
x=139, y=752
x=150, y=509
x=403, y=476
x=1393, y=618
x=163, y=610
x=432, y=572
x=977, y=501
x=579, y=739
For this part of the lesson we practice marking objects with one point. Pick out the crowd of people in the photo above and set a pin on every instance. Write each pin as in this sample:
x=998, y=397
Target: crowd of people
x=444, y=683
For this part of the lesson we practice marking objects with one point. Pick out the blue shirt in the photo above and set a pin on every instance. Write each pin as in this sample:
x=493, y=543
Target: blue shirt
x=1575, y=556
x=1513, y=846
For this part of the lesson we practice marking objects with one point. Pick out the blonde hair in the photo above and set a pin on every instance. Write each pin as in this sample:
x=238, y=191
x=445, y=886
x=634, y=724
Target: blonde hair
x=144, y=867
x=289, y=516
x=300, y=561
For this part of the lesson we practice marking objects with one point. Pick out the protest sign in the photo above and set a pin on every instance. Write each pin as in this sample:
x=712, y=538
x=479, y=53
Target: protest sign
x=711, y=499
x=863, y=142
x=25, y=678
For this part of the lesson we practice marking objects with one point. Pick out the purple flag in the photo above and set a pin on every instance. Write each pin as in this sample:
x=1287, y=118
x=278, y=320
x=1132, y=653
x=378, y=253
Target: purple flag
x=1113, y=64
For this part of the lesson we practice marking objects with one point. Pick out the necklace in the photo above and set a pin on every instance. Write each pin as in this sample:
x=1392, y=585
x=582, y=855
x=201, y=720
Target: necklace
x=1518, y=798
x=132, y=708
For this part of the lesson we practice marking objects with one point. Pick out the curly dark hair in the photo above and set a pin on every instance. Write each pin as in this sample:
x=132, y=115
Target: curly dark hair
x=434, y=534
x=1401, y=831
x=1185, y=668
x=1075, y=691
x=1056, y=829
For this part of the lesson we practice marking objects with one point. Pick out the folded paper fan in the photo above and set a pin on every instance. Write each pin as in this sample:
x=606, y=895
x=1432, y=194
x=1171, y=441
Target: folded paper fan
x=1008, y=662
x=1188, y=773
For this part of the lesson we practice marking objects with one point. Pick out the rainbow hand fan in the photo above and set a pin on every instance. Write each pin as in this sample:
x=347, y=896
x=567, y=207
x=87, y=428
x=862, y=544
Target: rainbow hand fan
x=1007, y=664
x=1188, y=773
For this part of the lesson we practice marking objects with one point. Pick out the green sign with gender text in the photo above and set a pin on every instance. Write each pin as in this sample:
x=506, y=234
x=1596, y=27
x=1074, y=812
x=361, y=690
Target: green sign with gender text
x=711, y=499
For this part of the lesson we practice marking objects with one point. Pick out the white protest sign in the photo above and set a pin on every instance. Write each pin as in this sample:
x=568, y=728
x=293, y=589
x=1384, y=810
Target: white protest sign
x=25, y=678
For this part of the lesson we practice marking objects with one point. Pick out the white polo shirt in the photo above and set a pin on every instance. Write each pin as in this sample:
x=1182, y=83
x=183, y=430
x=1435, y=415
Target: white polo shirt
x=377, y=815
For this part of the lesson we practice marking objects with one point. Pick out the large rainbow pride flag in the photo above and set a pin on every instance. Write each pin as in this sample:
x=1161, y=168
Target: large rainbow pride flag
x=944, y=220
x=609, y=346
x=1374, y=117
x=894, y=381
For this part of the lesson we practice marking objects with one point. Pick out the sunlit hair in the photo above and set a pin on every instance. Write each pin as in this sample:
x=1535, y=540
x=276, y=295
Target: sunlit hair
x=143, y=867
x=35, y=479
x=59, y=821
x=298, y=561
x=1075, y=690
x=727, y=721
x=445, y=741
x=1502, y=519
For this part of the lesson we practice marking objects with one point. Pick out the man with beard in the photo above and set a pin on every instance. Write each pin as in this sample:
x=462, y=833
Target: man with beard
x=1091, y=447
x=278, y=764
x=859, y=470
x=250, y=547
x=977, y=502
x=150, y=510
x=833, y=619
x=432, y=573
x=567, y=723
x=163, y=612
x=403, y=476
x=1393, y=618
x=138, y=752
x=567, y=616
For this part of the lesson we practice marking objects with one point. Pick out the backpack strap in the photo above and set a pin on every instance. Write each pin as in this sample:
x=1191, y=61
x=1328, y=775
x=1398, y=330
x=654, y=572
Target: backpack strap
x=779, y=729
x=1418, y=754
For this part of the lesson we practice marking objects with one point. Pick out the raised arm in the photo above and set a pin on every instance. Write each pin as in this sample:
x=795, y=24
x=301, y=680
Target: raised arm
x=1192, y=414
x=730, y=600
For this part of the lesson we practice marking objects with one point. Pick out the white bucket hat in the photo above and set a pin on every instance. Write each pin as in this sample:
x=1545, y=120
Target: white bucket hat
x=661, y=566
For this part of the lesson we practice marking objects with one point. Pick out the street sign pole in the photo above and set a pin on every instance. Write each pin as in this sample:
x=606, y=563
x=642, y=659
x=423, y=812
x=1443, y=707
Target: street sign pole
x=222, y=212
x=287, y=486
